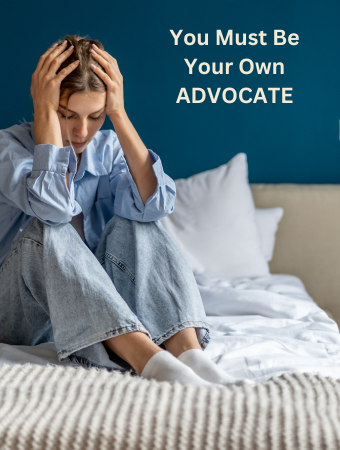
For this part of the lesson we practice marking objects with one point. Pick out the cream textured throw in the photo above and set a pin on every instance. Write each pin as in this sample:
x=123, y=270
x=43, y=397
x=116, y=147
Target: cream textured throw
x=58, y=407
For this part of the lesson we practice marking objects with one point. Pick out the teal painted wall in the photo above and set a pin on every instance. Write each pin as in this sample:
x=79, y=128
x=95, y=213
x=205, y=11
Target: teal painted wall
x=293, y=142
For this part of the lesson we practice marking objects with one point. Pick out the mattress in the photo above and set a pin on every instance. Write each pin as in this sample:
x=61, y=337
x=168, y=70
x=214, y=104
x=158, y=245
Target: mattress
x=259, y=327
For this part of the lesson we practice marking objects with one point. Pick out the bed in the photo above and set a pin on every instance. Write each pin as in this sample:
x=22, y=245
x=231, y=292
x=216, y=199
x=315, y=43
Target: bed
x=279, y=329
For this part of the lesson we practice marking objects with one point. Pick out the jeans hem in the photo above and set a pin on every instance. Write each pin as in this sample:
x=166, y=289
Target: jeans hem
x=181, y=326
x=62, y=354
x=87, y=364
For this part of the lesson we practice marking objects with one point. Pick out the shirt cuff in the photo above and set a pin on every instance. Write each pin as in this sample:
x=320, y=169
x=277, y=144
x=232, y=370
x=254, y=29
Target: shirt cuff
x=157, y=168
x=50, y=158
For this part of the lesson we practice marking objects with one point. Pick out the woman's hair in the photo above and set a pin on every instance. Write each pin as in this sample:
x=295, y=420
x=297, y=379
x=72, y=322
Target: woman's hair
x=82, y=78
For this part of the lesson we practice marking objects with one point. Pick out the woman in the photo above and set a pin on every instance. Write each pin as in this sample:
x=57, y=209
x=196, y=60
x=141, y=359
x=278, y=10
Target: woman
x=85, y=262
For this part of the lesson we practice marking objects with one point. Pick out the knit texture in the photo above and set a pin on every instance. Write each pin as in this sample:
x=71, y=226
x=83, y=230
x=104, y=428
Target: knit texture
x=58, y=407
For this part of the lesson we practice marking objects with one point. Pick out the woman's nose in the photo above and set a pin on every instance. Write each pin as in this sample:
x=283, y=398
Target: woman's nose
x=81, y=130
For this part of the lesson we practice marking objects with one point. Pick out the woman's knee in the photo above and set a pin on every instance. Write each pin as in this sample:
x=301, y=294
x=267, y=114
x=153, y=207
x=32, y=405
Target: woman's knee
x=37, y=229
x=121, y=234
x=117, y=230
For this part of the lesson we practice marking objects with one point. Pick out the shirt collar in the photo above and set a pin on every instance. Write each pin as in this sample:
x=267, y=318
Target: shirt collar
x=90, y=160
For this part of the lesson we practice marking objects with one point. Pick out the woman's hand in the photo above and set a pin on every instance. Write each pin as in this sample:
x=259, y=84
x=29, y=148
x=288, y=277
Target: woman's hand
x=113, y=80
x=45, y=87
x=45, y=91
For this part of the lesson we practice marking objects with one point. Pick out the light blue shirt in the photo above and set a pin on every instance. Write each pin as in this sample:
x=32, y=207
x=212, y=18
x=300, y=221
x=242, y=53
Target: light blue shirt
x=32, y=184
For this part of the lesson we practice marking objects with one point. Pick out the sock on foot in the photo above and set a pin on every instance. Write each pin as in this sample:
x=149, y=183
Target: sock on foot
x=163, y=366
x=199, y=362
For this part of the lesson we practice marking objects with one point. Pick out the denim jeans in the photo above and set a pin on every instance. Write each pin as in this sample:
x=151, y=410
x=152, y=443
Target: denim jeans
x=54, y=289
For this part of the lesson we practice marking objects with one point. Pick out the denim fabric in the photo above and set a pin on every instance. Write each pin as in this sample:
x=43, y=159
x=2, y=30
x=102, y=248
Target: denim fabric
x=54, y=289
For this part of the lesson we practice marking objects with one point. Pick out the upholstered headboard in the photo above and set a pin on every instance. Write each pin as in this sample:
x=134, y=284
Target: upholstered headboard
x=308, y=238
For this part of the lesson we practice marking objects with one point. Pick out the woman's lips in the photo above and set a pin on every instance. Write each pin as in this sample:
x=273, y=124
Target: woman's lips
x=78, y=144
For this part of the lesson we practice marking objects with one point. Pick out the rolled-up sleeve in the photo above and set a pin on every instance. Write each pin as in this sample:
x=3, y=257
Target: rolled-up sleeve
x=128, y=202
x=36, y=183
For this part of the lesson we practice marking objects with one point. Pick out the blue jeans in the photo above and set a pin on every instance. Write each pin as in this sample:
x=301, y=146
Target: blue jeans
x=54, y=289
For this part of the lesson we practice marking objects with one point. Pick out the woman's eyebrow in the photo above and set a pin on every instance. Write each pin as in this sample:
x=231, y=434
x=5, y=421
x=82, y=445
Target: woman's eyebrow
x=64, y=107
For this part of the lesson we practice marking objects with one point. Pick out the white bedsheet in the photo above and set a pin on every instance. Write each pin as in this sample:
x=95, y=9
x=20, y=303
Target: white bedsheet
x=259, y=328
x=268, y=326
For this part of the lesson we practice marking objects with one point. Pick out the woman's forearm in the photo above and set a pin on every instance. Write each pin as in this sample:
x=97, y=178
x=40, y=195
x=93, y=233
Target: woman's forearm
x=47, y=128
x=47, y=131
x=137, y=156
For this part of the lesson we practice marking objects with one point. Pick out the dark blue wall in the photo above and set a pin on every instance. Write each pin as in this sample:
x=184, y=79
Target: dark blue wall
x=293, y=142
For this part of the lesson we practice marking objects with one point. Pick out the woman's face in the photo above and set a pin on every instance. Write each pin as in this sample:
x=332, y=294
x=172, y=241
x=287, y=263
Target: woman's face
x=86, y=115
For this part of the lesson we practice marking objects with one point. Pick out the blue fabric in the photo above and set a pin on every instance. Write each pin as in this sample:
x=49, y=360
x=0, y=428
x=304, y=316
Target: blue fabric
x=54, y=289
x=32, y=184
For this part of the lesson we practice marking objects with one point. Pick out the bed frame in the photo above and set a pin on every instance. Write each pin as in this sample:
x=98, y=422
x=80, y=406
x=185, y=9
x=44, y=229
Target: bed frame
x=308, y=238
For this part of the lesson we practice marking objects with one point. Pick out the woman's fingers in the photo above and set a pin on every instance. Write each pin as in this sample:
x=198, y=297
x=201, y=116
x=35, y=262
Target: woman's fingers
x=64, y=72
x=104, y=54
x=58, y=60
x=102, y=61
x=50, y=57
x=104, y=76
x=42, y=59
x=108, y=63
x=45, y=87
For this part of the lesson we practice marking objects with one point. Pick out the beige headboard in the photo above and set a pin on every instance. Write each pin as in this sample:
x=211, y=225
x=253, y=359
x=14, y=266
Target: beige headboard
x=308, y=238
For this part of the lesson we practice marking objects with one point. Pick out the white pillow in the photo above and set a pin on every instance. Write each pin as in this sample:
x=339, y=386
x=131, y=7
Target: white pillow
x=214, y=219
x=267, y=220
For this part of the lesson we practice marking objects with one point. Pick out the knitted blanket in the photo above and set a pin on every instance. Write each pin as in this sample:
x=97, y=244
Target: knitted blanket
x=57, y=407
